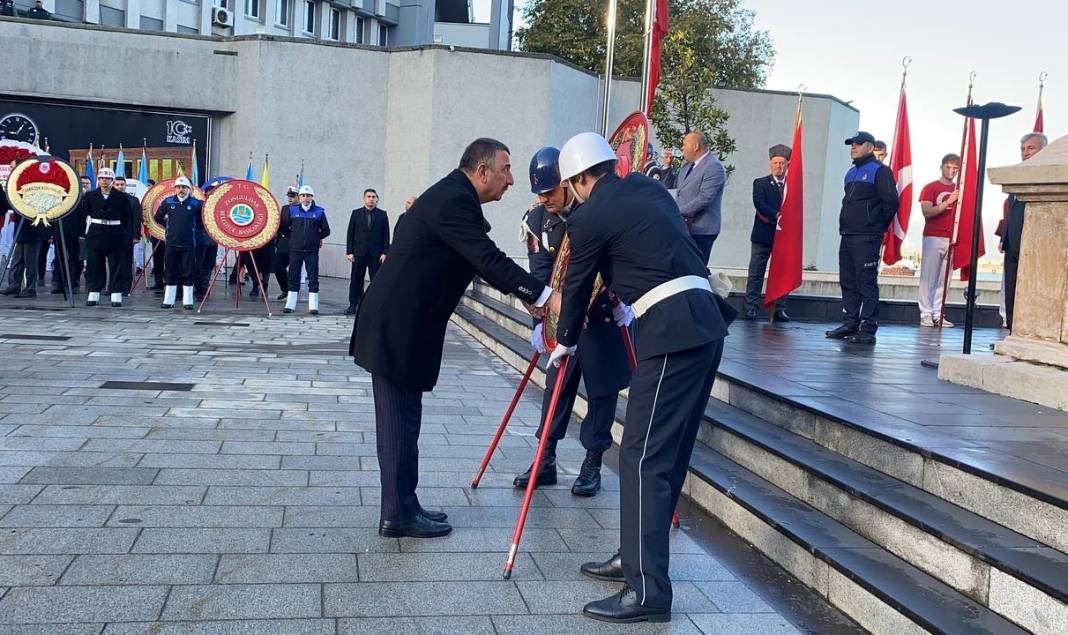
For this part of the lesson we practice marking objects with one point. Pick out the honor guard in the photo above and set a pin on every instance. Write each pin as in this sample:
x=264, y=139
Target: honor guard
x=631, y=233
x=180, y=214
x=107, y=237
x=601, y=362
x=305, y=226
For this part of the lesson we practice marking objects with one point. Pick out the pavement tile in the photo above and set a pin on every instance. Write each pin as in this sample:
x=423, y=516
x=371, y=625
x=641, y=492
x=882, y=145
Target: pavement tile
x=570, y=624
x=733, y=597
x=201, y=434
x=607, y=540
x=47, y=540
x=481, y=539
x=11, y=494
x=742, y=624
x=153, y=445
x=329, y=540
x=254, y=447
x=411, y=599
x=12, y=474
x=121, y=495
x=416, y=625
x=196, y=516
x=212, y=461
x=196, y=540
x=140, y=569
x=431, y=496
x=283, y=496
x=506, y=516
x=179, y=476
x=243, y=601
x=345, y=478
x=227, y=627
x=562, y=597
x=91, y=476
x=32, y=570
x=53, y=629
x=683, y=566
x=28, y=605
x=86, y=432
x=72, y=459
x=430, y=567
x=332, y=516
x=57, y=516
x=288, y=568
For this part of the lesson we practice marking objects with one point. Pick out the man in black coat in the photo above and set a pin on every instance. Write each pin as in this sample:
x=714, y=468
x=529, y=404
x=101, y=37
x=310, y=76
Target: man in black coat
x=366, y=245
x=601, y=363
x=767, y=199
x=631, y=233
x=399, y=331
x=280, y=260
x=134, y=223
x=107, y=212
x=29, y=241
x=1012, y=229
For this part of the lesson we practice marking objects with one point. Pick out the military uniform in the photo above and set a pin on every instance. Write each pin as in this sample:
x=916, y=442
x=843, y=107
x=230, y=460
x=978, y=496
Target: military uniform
x=181, y=217
x=107, y=238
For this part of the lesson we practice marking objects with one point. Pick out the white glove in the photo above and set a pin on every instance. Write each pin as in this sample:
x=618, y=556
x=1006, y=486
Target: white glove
x=536, y=339
x=622, y=314
x=560, y=352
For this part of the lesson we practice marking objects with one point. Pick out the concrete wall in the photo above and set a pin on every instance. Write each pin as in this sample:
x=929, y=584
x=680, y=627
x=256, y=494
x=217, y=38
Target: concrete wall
x=398, y=120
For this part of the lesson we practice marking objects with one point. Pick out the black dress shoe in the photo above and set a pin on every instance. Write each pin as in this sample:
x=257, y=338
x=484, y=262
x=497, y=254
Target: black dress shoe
x=841, y=332
x=287, y=310
x=750, y=314
x=546, y=476
x=588, y=482
x=610, y=570
x=438, y=517
x=351, y=310
x=166, y=306
x=866, y=339
x=282, y=296
x=116, y=305
x=780, y=316
x=623, y=608
x=417, y=527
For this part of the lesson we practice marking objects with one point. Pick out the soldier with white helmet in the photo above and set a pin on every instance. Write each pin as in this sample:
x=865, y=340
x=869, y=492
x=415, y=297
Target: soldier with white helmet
x=630, y=231
x=304, y=225
x=106, y=212
x=180, y=214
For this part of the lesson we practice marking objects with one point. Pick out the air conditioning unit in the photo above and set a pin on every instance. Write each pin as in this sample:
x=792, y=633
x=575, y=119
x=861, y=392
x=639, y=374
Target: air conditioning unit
x=221, y=17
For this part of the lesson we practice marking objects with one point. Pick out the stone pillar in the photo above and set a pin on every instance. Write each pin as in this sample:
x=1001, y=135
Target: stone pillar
x=1032, y=363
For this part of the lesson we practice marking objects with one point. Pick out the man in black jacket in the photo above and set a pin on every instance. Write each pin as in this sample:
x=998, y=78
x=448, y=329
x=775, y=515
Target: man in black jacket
x=767, y=199
x=1012, y=234
x=38, y=12
x=399, y=331
x=28, y=243
x=305, y=226
x=366, y=245
x=280, y=260
x=180, y=214
x=107, y=212
x=631, y=233
x=134, y=223
x=868, y=207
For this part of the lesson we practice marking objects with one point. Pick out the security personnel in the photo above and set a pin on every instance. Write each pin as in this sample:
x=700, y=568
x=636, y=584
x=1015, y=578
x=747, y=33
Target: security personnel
x=305, y=226
x=868, y=207
x=180, y=214
x=602, y=358
x=630, y=231
x=107, y=212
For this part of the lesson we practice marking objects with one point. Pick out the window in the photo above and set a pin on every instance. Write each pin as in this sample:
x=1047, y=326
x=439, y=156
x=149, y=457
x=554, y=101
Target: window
x=335, y=24
x=151, y=24
x=383, y=35
x=359, y=30
x=112, y=17
x=309, y=16
x=189, y=31
x=281, y=9
x=222, y=4
x=252, y=8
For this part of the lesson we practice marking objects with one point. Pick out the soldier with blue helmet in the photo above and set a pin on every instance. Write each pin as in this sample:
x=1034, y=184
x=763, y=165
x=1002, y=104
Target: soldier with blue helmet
x=602, y=359
x=180, y=214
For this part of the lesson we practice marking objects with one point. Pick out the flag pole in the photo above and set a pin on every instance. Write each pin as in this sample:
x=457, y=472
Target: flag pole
x=647, y=55
x=611, y=47
x=964, y=141
x=1039, y=117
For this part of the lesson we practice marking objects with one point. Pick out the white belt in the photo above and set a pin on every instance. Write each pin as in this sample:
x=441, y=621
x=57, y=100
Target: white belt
x=668, y=289
x=101, y=221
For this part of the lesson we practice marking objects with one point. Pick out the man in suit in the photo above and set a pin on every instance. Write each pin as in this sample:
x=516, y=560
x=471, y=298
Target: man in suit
x=1012, y=227
x=767, y=199
x=601, y=362
x=399, y=331
x=630, y=231
x=700, y=191
x=366, y=244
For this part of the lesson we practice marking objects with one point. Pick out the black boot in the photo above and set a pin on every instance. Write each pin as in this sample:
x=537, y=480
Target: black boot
x=588, y=482
x=546, y=475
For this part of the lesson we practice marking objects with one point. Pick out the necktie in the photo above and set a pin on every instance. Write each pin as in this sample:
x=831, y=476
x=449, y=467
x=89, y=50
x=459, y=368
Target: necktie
x=368, y=219
x=688, y=170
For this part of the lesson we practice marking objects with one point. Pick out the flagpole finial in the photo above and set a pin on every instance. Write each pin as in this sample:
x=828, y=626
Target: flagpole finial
x=1042, y=78
x=971, y=79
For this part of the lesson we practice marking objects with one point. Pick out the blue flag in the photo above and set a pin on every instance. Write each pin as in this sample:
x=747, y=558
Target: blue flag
x=196, y=169
x=249, y=176
x=142, y=174
x=120, y=164
x=89, y=171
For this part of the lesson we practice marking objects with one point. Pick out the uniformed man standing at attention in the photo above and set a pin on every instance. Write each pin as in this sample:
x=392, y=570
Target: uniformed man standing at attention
x=107, y=238
x=602, y=358
x=180, y=214
x=630, y=231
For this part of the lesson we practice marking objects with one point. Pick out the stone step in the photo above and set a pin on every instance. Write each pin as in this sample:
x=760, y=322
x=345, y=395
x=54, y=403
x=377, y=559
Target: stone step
x=1010, y=493
x=881, y=591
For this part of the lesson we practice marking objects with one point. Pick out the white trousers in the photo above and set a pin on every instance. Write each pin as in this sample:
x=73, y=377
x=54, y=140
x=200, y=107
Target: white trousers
x=932, y=275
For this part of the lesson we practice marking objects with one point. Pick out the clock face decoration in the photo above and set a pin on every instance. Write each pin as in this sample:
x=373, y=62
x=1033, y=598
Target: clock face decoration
x=19, y=127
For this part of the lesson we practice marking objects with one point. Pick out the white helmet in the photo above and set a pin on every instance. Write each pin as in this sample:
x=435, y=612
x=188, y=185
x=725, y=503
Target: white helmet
x=306, y=189
x=582, y=152
x=105, y=173
x=180, y=181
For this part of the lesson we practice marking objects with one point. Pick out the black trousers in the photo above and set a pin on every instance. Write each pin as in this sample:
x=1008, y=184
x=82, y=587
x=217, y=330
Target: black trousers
x=102, y=269
x=263, y=257
x=181, y=266
x=310, y=261
x=24, y=264
x=758, y=266
x=704, y=245
x=668, y=395
x=42, y=261
x=1012, y=266
x=398, y=418
x=280, y=266
x=596, y=431
x=361, y=265
x=858, y=273
x=205, y=265
x=159, y=261
x=66, y=258
x=126, y=263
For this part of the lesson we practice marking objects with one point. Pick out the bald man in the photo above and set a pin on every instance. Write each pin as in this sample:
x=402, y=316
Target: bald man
x=700, y=191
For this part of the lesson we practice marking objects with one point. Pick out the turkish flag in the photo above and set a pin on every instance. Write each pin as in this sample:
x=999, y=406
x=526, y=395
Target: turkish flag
x=784, y=273
x=660, y=30
x=1039, y=123
x=967, y=183
x=901, y=166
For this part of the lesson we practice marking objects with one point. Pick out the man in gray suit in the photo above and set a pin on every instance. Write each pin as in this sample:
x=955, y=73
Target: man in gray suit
x=700, y=191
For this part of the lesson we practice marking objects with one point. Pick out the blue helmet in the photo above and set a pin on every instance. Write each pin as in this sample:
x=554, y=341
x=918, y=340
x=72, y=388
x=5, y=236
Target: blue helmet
x=215, y=182
x=545, y=170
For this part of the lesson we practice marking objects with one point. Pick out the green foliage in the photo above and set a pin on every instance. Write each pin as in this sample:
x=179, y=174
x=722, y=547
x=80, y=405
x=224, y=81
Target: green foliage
x=710, y=44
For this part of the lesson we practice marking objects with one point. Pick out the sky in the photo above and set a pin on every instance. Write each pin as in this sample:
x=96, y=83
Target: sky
x=853, y=52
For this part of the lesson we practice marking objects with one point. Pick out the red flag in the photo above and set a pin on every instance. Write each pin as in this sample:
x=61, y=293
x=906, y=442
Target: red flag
x=967, y=182
x=901, y=166
x=785, y=270
x=1039, y=124
x=660, y=30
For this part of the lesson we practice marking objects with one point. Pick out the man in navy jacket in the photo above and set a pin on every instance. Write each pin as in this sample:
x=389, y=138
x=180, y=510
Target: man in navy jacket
x=305, y=226
x=180, y=214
